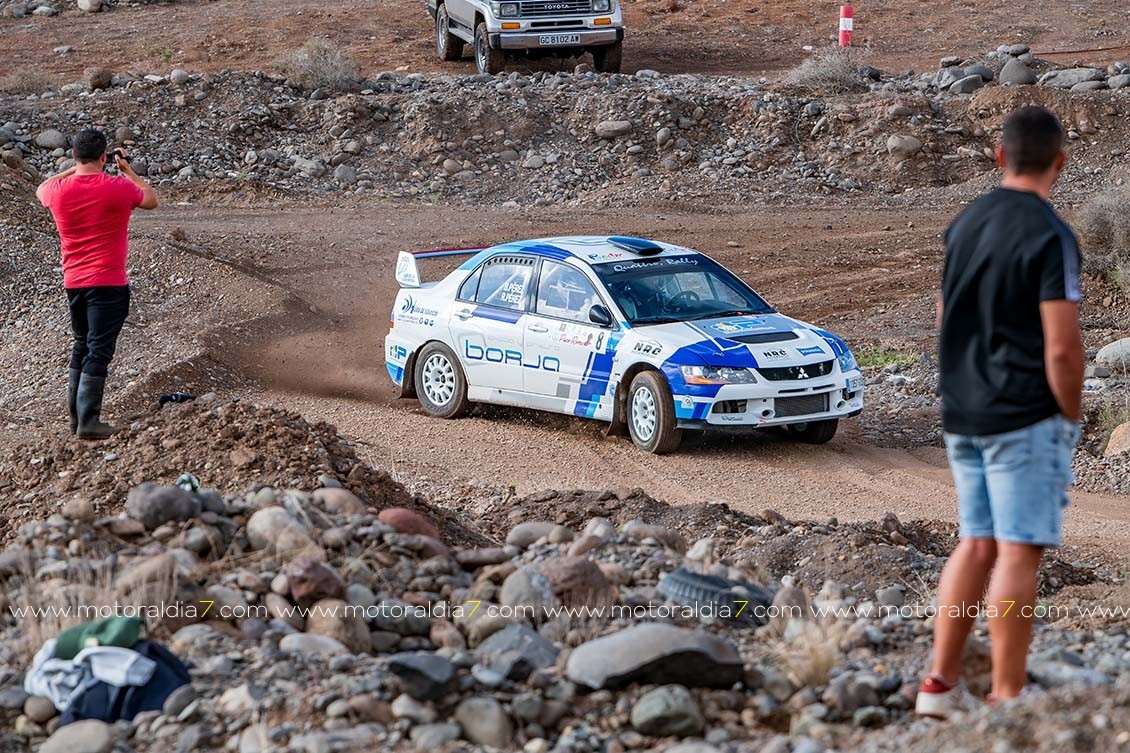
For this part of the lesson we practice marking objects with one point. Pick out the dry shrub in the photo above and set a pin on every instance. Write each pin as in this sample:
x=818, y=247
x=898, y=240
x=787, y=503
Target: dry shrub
x=320, y=64
x=43, y=609
x=810, y=650
x=23, y=81
x=834, y=70
x=1105, y=225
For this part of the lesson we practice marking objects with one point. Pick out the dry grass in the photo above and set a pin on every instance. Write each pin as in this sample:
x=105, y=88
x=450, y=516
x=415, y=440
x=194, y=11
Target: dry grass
x=834, y=70
x=1104, y=223
x=24, y=81
x=84, y=593
x=320, y=64
x=811, y=650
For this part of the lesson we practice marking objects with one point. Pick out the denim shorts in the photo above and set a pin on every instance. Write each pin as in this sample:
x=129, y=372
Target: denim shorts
x=1013, y=486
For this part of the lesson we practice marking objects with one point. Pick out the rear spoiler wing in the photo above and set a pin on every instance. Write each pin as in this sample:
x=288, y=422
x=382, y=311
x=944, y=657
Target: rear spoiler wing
x=408, y=274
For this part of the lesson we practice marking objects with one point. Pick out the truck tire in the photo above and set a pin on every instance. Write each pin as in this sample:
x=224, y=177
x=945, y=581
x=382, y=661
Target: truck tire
x=487, y=60
x=651, y=414
x=608, y=59
x=441, y=386
x=743, y=601
x=448, y=46
x=814, y=432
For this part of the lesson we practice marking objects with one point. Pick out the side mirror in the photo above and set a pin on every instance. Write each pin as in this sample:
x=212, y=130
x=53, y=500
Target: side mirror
x=601, y=316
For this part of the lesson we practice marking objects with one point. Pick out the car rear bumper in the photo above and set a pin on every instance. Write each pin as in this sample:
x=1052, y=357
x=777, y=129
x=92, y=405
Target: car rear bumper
x=737, y=406
x=556, y=39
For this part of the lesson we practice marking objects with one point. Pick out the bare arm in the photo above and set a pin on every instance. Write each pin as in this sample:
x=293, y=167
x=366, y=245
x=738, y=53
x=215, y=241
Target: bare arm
x=150, y=196
x=58, y=176
x=939, y=309
x=1064, y=357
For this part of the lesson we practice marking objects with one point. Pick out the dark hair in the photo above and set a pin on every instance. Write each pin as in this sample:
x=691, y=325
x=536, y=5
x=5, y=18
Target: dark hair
x=88, y=145
x=1032, y=139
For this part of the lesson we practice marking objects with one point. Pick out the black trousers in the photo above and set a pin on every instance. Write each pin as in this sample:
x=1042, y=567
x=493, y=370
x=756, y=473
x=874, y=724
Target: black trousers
x=97, y=316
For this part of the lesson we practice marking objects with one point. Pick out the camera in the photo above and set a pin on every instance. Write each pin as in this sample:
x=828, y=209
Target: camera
x=114, y=155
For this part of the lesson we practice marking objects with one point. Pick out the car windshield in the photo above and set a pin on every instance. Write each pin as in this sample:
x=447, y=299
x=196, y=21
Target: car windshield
x=677, y=289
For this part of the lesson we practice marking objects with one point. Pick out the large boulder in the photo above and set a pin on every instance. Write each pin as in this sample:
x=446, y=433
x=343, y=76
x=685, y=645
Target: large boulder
x=525, y=534
x=51, y=138
x=1065, y=78
x=903, y=146
x=275, y=529
x=1119, y=442
x=613, y=129
x=154, y=505
x=529, y=592
x=1015, y=73
x=656, y=653
x=408, y=522
x=967, y=85
x=1121, y=81
x=577, y=581
x=1116, y=355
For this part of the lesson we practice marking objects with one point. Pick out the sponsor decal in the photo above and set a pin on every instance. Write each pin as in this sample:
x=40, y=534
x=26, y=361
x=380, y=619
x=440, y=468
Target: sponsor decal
x=672, y=261
x=688, y=402
x=648, y=348
x=412, y=313
x=510, y=357
x=609, y=255
x=812, y=350
x=776, y=353
x=599, y=341
x=397, y=352
x=739, y=326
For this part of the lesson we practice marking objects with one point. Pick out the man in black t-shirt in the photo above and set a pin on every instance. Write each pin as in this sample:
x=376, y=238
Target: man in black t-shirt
x=1011, y=376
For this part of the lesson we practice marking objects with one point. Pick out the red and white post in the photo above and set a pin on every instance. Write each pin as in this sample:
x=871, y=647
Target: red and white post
x=847, y=24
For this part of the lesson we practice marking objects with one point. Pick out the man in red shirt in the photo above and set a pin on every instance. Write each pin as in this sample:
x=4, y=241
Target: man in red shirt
x=92, y=211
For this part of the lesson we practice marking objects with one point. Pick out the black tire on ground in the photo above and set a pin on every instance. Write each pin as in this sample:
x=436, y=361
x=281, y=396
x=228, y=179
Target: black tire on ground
x=686, y=588
x=608, y=59
x=814, y=432
x=487, y=60
x=655, y=428
x=448, y=46
x=441, y=386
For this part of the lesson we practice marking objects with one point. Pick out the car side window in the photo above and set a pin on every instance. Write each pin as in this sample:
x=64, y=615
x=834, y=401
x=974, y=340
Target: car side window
x=504, y=282
x=564, y=292
x=470, y=286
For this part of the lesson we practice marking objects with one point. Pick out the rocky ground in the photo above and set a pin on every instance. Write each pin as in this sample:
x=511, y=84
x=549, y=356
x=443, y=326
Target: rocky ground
x=267, y=279
x=412, y=668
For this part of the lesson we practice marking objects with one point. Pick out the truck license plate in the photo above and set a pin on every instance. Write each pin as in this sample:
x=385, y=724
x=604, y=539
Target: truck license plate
x=553, y=40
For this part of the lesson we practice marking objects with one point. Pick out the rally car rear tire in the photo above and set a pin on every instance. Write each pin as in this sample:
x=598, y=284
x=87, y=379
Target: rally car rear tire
x=441, y=386
x=651, y=414
x=814, y=432
x=487, y=59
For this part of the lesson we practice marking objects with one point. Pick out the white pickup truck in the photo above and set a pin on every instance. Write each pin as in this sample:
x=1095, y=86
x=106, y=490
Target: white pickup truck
x=531, y=28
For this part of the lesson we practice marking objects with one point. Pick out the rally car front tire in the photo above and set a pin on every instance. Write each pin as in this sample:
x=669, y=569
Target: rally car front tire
x=441, y=386
x=813, y=432
x=651, y=414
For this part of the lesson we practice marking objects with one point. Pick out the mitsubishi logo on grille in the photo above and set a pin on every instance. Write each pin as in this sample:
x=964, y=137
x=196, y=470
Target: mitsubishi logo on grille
x=801, y=373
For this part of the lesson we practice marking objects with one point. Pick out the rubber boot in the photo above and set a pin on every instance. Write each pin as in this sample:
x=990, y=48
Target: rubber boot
x=89, y=403
x=72, y=395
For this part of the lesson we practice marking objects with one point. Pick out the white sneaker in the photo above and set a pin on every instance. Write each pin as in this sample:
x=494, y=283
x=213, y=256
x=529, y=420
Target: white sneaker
x=939, y=700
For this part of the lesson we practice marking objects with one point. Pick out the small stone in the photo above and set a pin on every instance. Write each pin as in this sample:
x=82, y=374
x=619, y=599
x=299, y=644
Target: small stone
x=405, y=706
x=432, y=737
x=1119, y=442
x=668, y=711
x=425, y=676
x=656, y=653
x=333, y=619
x=485, y=722
x=39, y=710
x=307, y=643
x=155, y=504
x=179, y=77
x=98, y=78
x=1015, y=73
x=903, y=146
x=78, y=509
x=613, y=129
x=967, y=85
x=51, y=139
x=311, y=580
x=408, y=522
x=86, y=736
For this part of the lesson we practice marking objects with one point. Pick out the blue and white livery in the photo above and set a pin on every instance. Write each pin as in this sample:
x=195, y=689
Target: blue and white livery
x=649, y=336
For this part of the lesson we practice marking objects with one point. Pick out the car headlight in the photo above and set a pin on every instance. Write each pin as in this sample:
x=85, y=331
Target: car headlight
x=717, y=375
x=506, y=10
x=602, y=6
x=847, y=361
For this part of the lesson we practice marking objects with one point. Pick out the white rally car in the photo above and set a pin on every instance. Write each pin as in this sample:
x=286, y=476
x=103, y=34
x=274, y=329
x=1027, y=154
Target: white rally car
x=649, y=335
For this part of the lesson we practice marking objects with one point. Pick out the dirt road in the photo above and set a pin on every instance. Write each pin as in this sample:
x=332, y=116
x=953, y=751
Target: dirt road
x=675, y=36
x=868, y=276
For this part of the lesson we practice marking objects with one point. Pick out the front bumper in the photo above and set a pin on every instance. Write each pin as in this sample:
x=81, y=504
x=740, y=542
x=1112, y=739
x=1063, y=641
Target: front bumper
x=556, y=39
x=765, y=404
